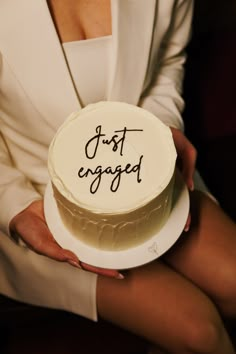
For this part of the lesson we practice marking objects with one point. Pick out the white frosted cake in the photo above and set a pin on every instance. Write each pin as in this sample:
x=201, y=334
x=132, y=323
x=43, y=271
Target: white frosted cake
x=112, y=171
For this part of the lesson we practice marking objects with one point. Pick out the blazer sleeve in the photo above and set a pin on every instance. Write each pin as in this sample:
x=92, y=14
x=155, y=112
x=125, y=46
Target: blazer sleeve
x=163, y=98
x=16, y=191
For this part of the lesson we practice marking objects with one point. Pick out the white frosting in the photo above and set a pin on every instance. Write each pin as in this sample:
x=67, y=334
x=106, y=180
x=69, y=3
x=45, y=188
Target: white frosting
x=131, y=158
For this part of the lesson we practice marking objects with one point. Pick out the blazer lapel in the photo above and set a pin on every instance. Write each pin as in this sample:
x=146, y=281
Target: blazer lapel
x=34, y=53
x=132, y=26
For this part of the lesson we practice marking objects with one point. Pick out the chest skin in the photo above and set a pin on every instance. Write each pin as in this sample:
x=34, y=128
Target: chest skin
x=81, y=19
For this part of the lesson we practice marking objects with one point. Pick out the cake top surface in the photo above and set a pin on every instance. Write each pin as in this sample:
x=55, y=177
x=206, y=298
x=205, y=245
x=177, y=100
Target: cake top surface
x=111, y=157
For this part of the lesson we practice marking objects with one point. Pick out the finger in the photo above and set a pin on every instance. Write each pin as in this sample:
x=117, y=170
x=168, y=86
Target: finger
x=41, y=240
x=188, y=222
x=189, y=156
x=186, y=156
x=102, y=271
x=53, y=250
x=56, y=252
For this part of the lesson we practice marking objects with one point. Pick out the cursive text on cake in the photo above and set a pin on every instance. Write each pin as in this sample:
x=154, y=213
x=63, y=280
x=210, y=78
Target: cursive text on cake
x=117, y=172
x=116, y=143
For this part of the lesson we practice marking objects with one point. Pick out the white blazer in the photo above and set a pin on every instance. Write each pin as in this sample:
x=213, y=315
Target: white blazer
x=37, y=92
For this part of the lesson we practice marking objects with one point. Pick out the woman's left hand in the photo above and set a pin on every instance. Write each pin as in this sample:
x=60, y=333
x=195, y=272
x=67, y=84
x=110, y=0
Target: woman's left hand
x=186, y=161
x=31, y=227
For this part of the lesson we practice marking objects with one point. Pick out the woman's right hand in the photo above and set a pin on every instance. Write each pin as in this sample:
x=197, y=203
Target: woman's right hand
x=31, y=227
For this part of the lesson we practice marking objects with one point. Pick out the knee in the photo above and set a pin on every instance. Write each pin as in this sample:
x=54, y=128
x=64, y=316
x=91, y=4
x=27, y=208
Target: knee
x=203, y=337
x=224, y=293
x=199, y=330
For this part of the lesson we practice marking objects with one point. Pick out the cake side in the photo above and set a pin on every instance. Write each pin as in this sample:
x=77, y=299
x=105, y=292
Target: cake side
x=116, y=231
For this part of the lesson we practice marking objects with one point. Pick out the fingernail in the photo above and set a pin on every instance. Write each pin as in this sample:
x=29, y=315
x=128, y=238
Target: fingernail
x=120, y=276
x=191, y=186
x=74, y=263
x=186, y=229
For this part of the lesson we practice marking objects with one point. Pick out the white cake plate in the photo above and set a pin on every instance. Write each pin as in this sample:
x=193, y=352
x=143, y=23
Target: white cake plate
x=146, y=252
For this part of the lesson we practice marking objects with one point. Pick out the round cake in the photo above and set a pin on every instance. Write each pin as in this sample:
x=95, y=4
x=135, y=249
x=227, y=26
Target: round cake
x=112, y=168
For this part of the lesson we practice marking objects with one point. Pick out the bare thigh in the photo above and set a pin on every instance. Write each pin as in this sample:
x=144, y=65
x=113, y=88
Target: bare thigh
x=157, y=303
x=207, y=253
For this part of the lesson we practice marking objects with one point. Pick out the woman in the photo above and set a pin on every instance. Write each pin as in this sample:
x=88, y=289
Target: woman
x=56, y=57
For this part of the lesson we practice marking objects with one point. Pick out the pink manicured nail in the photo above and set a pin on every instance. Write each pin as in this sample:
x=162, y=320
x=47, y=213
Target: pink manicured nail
x=191, y=187
x=186, y=229
x=74, y=263
x=120, y=276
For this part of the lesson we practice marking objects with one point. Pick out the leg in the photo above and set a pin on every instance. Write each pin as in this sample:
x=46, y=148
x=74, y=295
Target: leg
x=155, y=302
x=207, y=253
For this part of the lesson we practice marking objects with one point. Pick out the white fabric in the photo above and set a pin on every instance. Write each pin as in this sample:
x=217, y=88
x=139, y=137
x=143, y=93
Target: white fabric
x=88, y=62
x=38, y=280
x=37, y=93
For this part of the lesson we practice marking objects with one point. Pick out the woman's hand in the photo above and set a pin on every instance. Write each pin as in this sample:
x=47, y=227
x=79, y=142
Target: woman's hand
x=187, y=155
x=186, y=161
x=31, y=227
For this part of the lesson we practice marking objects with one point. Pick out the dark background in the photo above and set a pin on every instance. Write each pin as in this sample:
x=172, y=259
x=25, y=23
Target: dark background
x=210, y=95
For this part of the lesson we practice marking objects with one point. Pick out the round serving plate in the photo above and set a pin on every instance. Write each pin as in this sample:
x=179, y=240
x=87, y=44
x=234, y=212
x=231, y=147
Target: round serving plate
x=146, y=252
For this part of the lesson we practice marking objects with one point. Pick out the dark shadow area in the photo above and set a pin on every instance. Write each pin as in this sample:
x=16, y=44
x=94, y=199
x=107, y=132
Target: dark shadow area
x=209, y=91
x=29, y=329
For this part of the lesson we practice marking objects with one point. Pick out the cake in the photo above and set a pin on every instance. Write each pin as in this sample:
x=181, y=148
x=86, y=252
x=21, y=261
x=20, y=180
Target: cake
x=112, y=169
